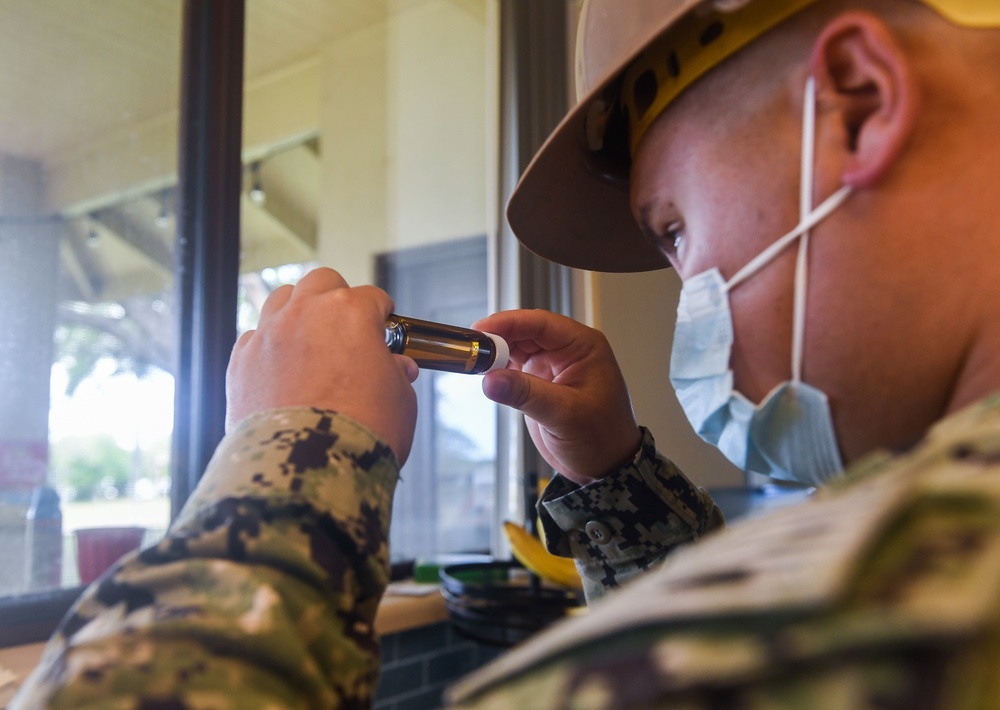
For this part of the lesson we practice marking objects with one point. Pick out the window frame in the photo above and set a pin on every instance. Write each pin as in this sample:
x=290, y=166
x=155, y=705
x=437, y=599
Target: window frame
x=535, y=94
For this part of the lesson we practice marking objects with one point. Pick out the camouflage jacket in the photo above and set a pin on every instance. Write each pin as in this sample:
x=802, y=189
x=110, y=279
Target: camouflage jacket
x=264, y=592
x=626, y=523
x=262, y=595
x=881, y=591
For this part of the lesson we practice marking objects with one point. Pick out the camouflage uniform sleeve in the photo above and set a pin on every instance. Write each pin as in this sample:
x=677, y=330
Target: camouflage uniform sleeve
x=263, y=593
x=628, y=522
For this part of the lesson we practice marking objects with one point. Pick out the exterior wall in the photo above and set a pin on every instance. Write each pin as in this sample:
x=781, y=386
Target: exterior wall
x=404, y=129
x=353, y=206
x=636, y=312
x=437, y=136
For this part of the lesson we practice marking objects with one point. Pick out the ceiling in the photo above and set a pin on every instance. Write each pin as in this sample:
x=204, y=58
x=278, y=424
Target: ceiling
x=75, y=72
x=72, y=71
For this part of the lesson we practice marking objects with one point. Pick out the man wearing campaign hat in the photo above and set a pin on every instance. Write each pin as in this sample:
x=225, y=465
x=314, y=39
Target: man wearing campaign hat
x=822, y=175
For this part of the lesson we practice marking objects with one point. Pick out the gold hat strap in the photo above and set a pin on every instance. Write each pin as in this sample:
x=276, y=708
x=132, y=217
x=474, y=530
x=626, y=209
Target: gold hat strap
x=698, y=42
x=706, y=36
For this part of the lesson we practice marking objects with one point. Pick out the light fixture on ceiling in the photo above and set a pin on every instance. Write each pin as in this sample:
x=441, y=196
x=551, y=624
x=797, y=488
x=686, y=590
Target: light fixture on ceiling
x=163, y=216
x=256, y=193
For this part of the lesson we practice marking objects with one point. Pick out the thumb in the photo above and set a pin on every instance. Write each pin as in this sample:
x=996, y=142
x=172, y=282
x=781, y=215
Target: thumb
x=535, y=397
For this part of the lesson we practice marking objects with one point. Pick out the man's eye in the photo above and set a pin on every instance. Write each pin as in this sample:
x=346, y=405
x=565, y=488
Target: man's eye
x=673, y=239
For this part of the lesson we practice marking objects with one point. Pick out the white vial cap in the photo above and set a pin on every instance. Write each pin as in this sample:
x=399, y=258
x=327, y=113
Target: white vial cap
x=503, y=352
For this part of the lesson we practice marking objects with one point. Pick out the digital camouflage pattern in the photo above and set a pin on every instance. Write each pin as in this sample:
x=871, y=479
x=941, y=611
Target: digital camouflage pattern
x=649, y=508
x=262, y=595
x=882, y=591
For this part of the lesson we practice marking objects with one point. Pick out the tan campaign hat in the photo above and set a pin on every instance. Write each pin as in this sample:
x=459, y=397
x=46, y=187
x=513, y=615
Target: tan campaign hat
x=572, y=203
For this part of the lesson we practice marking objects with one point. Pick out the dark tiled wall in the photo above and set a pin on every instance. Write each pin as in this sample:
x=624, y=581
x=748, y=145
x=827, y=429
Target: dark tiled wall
x=418, y=665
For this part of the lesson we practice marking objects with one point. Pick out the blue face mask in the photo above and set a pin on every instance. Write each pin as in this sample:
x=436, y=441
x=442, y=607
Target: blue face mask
x=790, y=434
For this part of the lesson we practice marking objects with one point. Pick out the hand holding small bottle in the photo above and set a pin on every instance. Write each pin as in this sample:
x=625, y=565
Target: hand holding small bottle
x=564, y=377
x=321, y=344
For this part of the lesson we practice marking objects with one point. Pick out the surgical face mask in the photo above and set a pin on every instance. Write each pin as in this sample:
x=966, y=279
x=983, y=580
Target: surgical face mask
x=790, y=434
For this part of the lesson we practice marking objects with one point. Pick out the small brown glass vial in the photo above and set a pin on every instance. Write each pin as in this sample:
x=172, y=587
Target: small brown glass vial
x=436, y=346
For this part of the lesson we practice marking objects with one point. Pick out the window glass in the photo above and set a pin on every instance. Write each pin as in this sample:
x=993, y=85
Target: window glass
x=88, y=145
x=368, y=133
x=446, y=500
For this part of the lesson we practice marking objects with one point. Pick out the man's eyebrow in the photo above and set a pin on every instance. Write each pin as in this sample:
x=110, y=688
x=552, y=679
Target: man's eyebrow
x=646, y=220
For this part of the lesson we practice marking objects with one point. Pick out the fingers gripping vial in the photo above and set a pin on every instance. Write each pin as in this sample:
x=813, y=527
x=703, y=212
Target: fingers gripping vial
x=435, y=346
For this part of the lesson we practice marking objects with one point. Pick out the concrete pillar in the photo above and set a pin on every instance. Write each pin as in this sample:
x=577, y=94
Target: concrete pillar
x=29, y=251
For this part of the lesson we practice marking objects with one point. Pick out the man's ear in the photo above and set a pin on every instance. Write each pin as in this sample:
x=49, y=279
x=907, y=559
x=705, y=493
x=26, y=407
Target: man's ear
x=865, y=76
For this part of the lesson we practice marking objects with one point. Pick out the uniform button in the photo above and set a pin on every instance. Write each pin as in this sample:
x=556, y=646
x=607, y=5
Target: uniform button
x=598, y=532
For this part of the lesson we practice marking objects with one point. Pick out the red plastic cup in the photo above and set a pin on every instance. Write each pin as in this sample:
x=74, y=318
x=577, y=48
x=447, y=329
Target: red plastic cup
x=99, y=548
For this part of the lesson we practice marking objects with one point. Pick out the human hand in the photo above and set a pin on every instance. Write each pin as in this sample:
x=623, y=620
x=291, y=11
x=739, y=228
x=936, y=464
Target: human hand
x=321, y=344
x=564, y=377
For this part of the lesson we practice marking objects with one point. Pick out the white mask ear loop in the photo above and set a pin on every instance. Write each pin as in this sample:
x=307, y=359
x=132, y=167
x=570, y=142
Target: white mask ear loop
x=761, y=260
x=805, y=207
x=809, y=219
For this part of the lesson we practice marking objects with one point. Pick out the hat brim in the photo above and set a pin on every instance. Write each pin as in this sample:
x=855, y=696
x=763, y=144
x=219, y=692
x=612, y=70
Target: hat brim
x=565, y=210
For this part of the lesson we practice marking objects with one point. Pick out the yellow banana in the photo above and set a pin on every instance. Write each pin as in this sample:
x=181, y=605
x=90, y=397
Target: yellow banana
x=530, y=552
